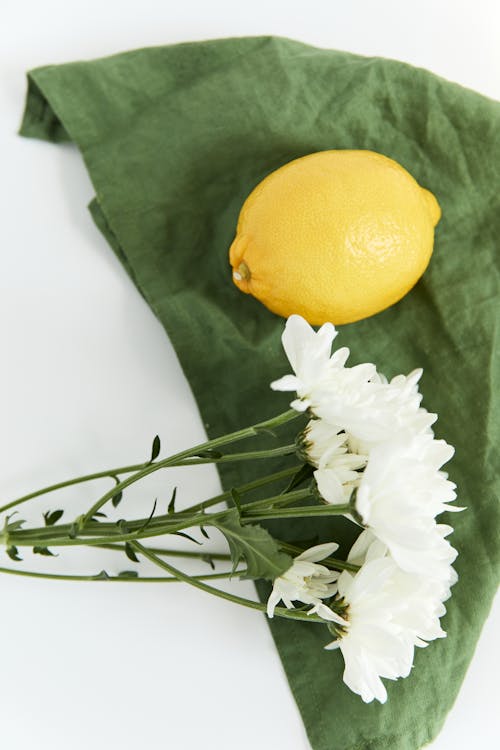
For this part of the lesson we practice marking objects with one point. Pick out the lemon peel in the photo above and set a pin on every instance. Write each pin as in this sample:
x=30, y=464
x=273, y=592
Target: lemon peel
x=335, y=236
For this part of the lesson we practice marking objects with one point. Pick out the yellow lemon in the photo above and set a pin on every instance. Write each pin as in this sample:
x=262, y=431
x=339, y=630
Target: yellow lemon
x=334, y=236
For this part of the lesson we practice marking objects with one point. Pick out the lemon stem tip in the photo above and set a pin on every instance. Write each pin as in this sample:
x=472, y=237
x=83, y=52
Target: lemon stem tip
x=242, y=273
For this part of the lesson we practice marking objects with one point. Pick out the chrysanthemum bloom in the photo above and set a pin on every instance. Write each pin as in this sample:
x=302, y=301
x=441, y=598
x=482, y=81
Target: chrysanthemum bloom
x=374, y=645
x=307, y=582
x=388, y=613
x=421, y=597
x=397, y=410
x=356, y=400
x=322, y=446
x=315, y=367
x=401, y=492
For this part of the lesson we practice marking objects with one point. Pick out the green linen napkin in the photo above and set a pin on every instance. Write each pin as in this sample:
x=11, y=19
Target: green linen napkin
x=174, y=138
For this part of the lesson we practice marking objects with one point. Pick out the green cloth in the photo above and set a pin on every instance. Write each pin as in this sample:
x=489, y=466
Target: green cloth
x=174, y=138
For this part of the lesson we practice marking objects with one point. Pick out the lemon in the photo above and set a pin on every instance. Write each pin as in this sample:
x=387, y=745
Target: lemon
x=334, y=236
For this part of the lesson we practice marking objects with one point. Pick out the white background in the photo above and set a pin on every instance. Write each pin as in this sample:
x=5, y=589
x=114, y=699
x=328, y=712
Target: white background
x=87, y=378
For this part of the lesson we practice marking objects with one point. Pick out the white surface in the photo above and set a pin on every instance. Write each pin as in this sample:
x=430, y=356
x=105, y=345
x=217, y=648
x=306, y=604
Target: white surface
x=88, y=378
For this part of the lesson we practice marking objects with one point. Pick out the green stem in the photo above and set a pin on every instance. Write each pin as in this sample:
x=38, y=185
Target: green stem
x=156, y=527
x=283, y=450
x=112, y=473
x=306, y=512
x=291, y=614
x=329, y=562
x=210, y=444
x=119, y=579
x=65, y=529
x=149, y=533
x=172, y=552
x=244, y=488
x=68, y=482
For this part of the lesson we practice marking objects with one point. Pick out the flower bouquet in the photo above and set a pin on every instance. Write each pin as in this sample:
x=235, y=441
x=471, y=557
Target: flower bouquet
x=365, y=450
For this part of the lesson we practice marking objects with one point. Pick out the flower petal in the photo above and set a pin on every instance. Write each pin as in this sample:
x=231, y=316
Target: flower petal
x=319, y=552
x=286, y=383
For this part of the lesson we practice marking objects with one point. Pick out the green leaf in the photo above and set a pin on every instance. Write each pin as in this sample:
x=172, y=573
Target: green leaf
x=13, y=553
x=155, y=449
x=44, y=551
x=129, y=551
x=254, y=545
x=171, y=505
x=14, y=525
x=52, y=517
x=148, y=520
x=302, y=475
x=102, y=576
x=208, y=559
x=116, y=499
x=186, y=536
x=204, y=532
x=128, y=574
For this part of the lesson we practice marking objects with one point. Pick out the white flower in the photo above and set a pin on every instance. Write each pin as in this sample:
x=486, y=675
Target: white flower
x=421, y=597
x=389, y=612
x=421, y=605
x=306, y=581
x=373, y=645
x=397, y=409
x=381, y=410
x=315, y=368
x=401, y=492
x=337, y=469
x=335, y=484
x=357, y=400
x=324, y=445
